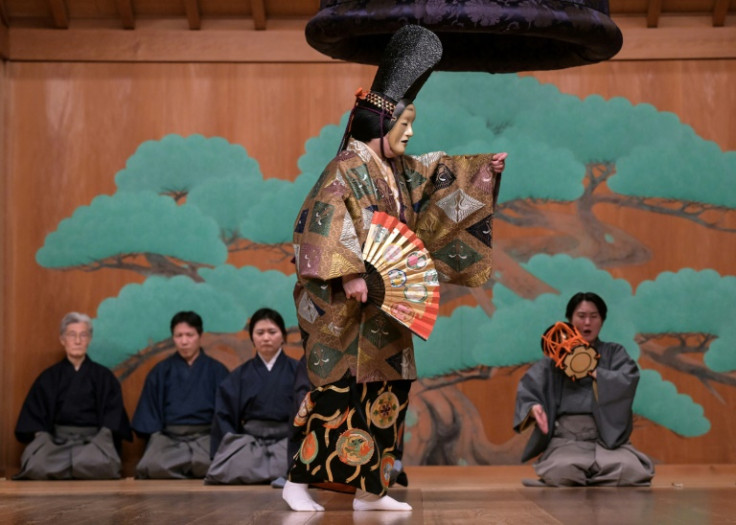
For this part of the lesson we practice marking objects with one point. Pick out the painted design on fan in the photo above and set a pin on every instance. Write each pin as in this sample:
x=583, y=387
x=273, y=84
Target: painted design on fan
x=392, y=253
x=355, y=447
x=431, y=278
x=348, y=236
x=397, y=278
x=416, y=260
x=385, y=410
x=416, y=293
x=402, y=311
x=380, y=233
x=458, y=205
x=307, y=310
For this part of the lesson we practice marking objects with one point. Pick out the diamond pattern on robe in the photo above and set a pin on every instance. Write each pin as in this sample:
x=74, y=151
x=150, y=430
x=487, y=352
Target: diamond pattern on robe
x=302, y=222
x=443, y=177
x=483, y=180
x=321, y=218
x=380, y=331
x=457, y=255
x=396, y=361
x=368, y=215
x=459, y=205
x=482, y=230
x=308, y=260
x=414, y=179
x=307, y=309
x=320, y=289
x=360, y=182
x=322, y=359
x=339, y=265
x=352, y=348
x=348, y=237
x=430, y=158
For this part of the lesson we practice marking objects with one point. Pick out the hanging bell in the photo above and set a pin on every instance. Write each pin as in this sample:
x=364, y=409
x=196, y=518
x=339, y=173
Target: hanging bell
x=497, y=36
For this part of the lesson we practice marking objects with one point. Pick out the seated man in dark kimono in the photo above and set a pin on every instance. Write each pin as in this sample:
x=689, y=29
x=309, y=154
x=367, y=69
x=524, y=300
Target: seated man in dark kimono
x=583, y=426
x=175, y=409
x=254, y=409
x=73, y=418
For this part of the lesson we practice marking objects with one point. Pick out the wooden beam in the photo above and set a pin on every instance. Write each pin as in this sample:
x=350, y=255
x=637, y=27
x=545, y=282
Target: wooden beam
x=59, y=13
x=125, y=10
x=4, y=14
x=654, y=10
x=193, y=14
x=4, y=43
x=258, y=12
x=677, y=38
x=720, y=9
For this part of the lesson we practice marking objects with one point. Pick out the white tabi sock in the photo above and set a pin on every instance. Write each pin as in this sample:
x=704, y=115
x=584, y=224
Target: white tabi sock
x=296, y=495
x=366, y=501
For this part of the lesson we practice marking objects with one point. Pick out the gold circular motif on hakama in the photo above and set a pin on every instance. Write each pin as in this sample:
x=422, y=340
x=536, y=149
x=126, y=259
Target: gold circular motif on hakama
x=355, y=447
x=385, y=410
x=308, y=450
x=305, y=409
x=387, y=465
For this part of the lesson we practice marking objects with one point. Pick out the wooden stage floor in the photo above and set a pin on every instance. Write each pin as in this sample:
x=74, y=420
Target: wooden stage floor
x=684, y=494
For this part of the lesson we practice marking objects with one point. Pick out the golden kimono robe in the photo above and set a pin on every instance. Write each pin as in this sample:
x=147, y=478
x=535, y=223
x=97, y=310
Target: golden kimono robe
x=447, y=200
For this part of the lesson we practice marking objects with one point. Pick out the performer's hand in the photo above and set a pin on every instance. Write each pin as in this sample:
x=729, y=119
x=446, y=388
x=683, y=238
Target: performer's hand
x=355, y=288
x=541, y=417
x=498, y=162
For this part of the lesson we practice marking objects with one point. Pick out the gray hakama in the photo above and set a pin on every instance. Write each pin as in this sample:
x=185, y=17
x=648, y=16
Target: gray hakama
x=73, y=421
x=253, y=422
x=588, y=443
x=71, y=453
x=175, y=413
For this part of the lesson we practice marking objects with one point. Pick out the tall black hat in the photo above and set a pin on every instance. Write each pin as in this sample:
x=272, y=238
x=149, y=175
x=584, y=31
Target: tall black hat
x=497, y=36
x=406, y=63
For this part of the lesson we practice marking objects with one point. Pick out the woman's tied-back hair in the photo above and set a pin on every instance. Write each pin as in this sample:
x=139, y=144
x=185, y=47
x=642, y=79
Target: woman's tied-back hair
x=269, y=315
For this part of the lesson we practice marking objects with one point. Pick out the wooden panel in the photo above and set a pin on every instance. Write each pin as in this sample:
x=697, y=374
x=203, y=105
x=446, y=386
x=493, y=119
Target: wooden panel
x=72, y=126
x=236, y=41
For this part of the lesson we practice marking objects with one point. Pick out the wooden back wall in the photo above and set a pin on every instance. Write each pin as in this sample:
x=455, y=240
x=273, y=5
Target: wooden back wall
x=69, y=126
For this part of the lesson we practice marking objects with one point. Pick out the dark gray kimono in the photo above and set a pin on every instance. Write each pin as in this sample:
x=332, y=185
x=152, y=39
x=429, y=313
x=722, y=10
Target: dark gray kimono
x=609, y=411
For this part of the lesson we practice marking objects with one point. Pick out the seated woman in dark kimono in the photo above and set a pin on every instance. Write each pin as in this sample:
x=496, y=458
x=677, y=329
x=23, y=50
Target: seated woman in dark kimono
x=583, y=427
x=73, y=417
x=254, y=410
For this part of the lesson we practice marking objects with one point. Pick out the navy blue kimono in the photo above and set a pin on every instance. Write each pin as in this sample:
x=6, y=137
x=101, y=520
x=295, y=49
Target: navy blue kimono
x=252, y=392
x=88, y=397
x=176, y=393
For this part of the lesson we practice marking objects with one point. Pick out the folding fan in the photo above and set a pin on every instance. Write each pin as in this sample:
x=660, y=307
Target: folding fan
x=571, y=353
x=401, y=277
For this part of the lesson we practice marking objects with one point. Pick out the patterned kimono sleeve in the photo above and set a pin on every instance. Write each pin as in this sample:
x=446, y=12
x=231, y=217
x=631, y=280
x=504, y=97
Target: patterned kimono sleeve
x=456, y=217
x=326, y=245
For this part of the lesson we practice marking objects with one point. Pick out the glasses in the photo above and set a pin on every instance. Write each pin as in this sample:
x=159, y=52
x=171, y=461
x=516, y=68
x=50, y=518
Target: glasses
x=75, y=335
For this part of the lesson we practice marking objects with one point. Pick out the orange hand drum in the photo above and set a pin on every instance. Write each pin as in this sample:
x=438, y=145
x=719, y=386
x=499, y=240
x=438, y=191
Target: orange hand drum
x=571, y=353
